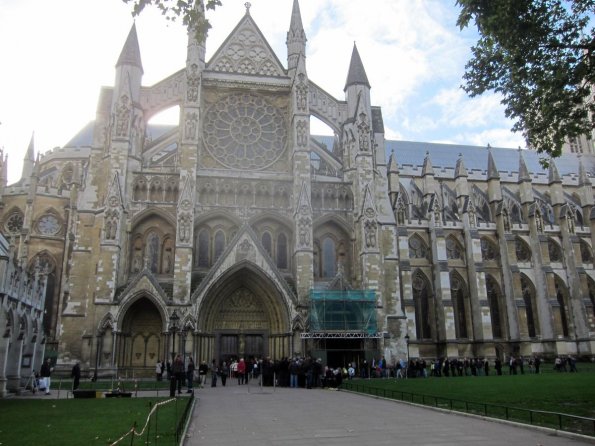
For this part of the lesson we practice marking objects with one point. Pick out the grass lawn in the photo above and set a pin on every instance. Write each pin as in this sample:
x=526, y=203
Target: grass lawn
x=75, y=422
x=568, y=393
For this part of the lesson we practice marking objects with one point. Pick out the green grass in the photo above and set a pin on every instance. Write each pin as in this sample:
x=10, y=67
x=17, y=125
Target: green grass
x=75, y=422
x=568, y=393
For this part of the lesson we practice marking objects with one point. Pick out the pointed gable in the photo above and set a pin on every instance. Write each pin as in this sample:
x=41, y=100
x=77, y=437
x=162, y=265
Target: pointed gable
x=246, y=51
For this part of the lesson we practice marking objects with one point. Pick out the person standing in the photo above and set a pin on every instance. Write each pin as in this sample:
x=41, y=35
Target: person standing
x=158, y=370
x=178, y=373
x=75, y=374
x=214, y=373
x=241, y=371
x=190, y=373
x=46, y=373
x=224, y=373
x=203, y=369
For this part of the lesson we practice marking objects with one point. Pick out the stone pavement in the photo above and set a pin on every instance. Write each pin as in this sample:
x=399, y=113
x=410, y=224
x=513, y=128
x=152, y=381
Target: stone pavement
x=254, y=416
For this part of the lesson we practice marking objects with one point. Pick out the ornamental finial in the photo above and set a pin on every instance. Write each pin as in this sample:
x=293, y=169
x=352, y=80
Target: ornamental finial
x=247, y=5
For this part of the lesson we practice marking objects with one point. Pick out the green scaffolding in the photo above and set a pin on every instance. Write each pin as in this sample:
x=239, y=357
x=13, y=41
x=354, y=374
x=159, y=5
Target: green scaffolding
x=343, y=311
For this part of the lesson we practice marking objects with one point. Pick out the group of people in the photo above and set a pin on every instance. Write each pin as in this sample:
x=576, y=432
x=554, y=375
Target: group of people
x=177, y=373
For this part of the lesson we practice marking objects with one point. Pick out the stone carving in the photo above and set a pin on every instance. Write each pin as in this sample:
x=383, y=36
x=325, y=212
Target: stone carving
x=363, y=129
x=302, y=134
x=304, y=231
x=245, y=131
x=191, y=126
x=506, y=220
x=301, y=94
x=538, y=220
x=472, y=215
x=193, y=81
x=184, y=228
x=123, y=112
x=370, y=232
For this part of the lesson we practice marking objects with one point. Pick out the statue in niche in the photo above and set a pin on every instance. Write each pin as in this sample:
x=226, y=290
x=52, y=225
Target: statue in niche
x=364, y=133
x=123, y=116
x=472, y=215
x=191, y=123
x=301, y=94
x=538, y=221
x=193, y=81
x=570, y=222
x=137, y=262
x=301, y=138
x=184, y=231
x=304, y=234
x=370, y=232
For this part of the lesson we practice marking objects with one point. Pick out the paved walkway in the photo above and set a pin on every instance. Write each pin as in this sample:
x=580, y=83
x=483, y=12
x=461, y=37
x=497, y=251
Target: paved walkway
x=251, y=416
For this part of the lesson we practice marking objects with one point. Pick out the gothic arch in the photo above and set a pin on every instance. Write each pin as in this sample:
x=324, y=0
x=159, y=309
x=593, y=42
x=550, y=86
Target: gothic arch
x=332, y=245
x=489, y=249
x=423, y=305
x=529, y=300
x=129, y=300
x=418, y=247
x=244, y=289
x=497, y=306
x=152, y=212
x=562, y=316
x=454, y=248
x=217, y=214
x=482, y=207
x=460, y=301
x=334, y=219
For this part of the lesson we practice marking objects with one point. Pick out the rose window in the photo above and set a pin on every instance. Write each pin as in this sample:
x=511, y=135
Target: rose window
x=244, y=131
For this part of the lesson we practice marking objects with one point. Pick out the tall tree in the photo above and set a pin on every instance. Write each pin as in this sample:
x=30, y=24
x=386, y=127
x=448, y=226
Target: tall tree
x=189, y=11
x=539, y=55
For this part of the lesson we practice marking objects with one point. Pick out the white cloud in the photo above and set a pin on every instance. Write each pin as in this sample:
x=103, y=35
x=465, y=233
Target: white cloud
x=67, y=50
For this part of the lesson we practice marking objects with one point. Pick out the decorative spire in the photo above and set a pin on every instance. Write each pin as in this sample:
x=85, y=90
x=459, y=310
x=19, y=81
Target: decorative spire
x=296, y=38
x=492, y=169
x=427, y=168
x=130, y=54
x=357, y=73
x=583, y=177
x=553, y=175
x=523, y=171
x=392, y=163
x=460, y=170
x=29, y=160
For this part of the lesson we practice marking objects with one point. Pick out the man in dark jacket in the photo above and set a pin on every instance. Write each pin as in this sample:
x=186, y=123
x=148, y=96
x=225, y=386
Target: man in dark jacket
x=46, y=373
x=75, y=374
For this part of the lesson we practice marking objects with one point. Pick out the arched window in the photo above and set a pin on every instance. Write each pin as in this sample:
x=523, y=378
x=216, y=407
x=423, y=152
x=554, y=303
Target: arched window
x=586, y=253
x=282, y=251
x=515, y=214
x=417, y=248
x=329, y=258
x=219, y=245
x=267, y=243
x=152, y=251
x=563, y=315
x=203, y=248
x=167, y=260
x=523, y=253
x=494, y=299
x=554, y=251
x=489, y=251
x=421, y=299
x=528, y=298
x=457, y=292
x=454, y=250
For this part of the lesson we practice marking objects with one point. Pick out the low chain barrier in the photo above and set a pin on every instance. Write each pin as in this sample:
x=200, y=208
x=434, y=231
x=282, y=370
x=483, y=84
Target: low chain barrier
x=179, y=428
x=555, y=420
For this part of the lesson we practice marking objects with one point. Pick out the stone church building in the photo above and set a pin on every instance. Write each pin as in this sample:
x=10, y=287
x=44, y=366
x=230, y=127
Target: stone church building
x=238, y=233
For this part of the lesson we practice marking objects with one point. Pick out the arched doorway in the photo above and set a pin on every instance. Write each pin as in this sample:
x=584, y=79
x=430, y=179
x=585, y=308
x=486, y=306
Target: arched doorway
x=142, y=342
x=244, y=315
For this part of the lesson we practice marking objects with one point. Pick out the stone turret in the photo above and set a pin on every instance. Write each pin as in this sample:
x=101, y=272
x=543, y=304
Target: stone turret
x=525, y=183
x=29, y=160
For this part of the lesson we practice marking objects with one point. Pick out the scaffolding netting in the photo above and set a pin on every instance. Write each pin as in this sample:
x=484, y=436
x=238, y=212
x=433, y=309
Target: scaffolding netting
x=343, y=311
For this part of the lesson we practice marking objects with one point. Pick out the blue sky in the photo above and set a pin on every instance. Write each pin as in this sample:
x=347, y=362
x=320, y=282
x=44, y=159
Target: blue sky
x=57, y=54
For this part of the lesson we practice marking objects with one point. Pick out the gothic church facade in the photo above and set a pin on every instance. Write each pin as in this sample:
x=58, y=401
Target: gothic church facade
x=211, y=238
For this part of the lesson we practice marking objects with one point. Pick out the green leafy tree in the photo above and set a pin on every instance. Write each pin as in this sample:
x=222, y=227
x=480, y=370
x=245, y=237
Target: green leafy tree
x=189, y=11
x=539, y=55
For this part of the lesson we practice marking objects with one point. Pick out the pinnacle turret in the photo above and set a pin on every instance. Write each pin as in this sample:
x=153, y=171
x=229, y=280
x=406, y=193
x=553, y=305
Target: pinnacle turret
x=356, y=74
x=130, y=54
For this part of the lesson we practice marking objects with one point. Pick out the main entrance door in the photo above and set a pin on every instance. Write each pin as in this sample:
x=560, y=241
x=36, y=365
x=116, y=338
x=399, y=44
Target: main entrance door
x=241, y=345
x=243, y=316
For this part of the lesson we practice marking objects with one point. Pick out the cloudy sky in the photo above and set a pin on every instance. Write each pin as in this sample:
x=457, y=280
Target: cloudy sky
x=57, y=54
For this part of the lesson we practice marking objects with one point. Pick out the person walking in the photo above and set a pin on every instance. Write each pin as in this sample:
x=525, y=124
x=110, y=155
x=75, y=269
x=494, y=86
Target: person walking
x=75, y=374
x=190, y=374
x=46, y=374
